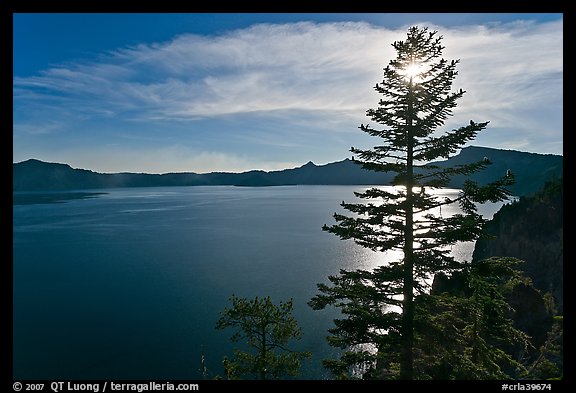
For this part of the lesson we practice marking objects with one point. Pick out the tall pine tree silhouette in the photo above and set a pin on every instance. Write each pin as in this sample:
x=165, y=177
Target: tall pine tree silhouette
x=377, y=331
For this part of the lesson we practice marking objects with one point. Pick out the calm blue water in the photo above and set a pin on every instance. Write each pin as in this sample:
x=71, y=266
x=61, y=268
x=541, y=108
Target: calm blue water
x=129, y=285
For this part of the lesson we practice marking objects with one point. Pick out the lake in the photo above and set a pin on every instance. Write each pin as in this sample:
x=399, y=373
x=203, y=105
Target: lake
x=128, y=284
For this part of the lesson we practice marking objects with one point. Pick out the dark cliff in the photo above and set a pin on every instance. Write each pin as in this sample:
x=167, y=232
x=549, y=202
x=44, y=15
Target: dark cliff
x=531, y=229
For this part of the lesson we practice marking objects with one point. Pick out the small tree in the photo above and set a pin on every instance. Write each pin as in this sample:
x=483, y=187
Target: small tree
x=378, y=305
x=267, y=329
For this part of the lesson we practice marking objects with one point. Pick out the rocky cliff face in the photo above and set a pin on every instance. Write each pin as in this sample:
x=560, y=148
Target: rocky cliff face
x=531, y=229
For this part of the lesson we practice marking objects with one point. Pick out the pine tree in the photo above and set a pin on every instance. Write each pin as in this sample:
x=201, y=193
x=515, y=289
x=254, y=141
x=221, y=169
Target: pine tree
x=465, y=331
x=378, y=331
x=267, y=329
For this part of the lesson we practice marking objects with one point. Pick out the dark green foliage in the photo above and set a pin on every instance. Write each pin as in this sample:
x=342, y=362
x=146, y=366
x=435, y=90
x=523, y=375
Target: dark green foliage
x=267, y=329
x=468, y=334
x=549, y=363
x=379, y=331
x=462, y=333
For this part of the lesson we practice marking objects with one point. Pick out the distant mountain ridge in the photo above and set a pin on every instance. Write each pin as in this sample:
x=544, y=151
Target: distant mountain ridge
x=532, y=170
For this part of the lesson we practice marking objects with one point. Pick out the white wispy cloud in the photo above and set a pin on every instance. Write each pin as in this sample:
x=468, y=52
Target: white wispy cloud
x=512, y=72
x=263, y=68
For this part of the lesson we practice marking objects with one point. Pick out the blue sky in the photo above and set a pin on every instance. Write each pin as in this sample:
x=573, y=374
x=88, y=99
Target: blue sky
x=205, y=92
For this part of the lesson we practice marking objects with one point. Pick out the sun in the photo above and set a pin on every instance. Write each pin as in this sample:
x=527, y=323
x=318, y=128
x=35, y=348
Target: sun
x=413, y=71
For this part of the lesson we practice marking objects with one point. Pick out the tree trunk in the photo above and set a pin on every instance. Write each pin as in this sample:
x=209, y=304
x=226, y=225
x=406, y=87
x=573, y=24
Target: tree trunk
x=406, y=356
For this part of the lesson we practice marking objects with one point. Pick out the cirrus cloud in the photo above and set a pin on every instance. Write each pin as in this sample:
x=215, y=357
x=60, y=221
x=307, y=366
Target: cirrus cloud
x=317, y=76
